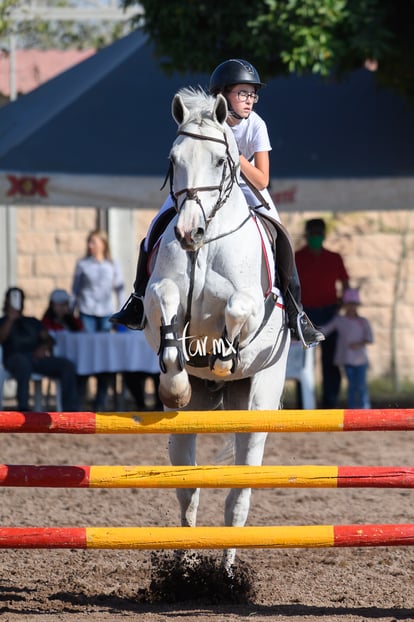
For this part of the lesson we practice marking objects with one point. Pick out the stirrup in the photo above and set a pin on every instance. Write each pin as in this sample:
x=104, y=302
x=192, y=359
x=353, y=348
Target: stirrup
x=132, y=313
x=303, y=323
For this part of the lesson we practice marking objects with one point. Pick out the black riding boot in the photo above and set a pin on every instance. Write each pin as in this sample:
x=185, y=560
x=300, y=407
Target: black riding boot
x=132, y=313
x=302, y=328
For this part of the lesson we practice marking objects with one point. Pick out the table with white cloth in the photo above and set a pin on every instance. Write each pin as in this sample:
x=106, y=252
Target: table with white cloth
x=96, y=353
x=117, y=352
x=113, y=352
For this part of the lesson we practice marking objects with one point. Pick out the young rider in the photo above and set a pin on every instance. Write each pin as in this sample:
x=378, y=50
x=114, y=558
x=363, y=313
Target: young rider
x=239, y=82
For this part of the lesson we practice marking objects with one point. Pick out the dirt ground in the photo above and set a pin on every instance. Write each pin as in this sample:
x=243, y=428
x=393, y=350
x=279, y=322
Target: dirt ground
x=313, y=585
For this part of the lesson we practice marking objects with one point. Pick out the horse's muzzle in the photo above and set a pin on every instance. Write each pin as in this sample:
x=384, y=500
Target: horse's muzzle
x=193, y=241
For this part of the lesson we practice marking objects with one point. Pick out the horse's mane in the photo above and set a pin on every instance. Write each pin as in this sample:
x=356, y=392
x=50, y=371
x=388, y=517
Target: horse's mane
x=196, y=98
x=200, y=106
x=198, y=102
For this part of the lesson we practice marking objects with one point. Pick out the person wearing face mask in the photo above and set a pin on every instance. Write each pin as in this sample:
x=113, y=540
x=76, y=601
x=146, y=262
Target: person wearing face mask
x=321, y=271
x=239, y=82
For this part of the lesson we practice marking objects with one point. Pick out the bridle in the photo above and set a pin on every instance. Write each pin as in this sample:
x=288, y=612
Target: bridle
x=191, y=194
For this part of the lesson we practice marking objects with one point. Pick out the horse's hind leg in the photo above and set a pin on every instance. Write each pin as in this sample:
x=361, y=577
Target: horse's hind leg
x=182, y=450
x=257, y=393
x=249, y=450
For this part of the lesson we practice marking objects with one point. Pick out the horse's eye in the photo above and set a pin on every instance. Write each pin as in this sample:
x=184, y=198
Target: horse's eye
x=220, y=162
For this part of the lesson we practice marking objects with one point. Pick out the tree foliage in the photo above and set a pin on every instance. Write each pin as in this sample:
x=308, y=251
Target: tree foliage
x=6, y=7
x=285, y=36
x=49, y=33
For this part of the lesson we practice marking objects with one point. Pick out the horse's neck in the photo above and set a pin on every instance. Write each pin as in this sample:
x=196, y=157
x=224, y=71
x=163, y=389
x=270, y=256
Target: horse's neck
x=231, y=216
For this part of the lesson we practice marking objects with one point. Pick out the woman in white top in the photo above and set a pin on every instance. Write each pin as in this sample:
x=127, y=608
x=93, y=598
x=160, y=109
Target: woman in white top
x=239, y=82
x=97, y=277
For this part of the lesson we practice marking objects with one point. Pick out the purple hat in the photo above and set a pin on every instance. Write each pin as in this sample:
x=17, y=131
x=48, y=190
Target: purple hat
x=351, y=296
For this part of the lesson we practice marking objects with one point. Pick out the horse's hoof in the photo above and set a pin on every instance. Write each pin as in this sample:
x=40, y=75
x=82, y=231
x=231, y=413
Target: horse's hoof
x=175, y=401
x=222, y=369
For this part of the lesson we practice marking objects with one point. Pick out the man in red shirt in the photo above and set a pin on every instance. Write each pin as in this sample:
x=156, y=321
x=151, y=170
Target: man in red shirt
x=320, y=271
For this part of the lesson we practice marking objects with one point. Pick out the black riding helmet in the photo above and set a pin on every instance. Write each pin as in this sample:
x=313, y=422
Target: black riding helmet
x=234, y=71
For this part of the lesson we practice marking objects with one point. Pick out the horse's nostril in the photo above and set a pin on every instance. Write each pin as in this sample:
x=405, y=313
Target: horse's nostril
x=197, y=235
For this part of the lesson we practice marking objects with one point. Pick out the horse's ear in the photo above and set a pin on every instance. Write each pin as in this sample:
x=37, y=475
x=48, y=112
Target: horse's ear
x=178, y=109
x=220, y=108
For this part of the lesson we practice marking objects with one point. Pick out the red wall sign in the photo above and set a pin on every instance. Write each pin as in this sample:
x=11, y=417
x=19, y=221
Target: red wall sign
x=27, y=186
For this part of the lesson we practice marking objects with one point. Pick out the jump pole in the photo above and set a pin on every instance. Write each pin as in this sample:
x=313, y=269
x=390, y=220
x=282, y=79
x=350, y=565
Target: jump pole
x=308, y=476
x=314, y=536
x=190, y=422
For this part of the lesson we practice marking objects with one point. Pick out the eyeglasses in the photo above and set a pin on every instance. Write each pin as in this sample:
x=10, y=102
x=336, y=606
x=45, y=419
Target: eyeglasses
x=243, y=96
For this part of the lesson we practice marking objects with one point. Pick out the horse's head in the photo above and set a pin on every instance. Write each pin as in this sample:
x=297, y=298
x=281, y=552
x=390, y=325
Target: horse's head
x=205, y=162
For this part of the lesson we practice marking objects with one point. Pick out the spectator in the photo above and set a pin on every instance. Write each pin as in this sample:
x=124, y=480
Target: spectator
x=58, y=315
x=27, y=349
x=354, y=333
x=97, y=276
x=320, y=272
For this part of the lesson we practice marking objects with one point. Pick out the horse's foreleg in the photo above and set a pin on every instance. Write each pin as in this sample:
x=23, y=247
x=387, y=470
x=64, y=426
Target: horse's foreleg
x=174, y=388
x=240, y=315
x=162, y=305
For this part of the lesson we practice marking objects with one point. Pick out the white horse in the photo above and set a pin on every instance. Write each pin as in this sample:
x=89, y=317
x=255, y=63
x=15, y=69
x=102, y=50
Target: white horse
x=212, y=316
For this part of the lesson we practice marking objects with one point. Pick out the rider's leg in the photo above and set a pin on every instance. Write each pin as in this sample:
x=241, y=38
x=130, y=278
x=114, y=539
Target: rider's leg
x=302, y=328
x=132, y=313
x=299, y=323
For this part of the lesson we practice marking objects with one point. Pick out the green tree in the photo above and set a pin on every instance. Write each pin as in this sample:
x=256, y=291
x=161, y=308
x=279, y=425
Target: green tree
x=5, y=8
x=49, y=33
x=284, y=36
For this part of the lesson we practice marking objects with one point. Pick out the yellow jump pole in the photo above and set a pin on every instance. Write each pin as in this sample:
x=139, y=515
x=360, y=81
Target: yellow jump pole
x=276, y=537
x=193, y=422
x=307, y=476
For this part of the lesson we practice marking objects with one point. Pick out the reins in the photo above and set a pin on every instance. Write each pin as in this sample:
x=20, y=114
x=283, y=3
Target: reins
x=191, y=194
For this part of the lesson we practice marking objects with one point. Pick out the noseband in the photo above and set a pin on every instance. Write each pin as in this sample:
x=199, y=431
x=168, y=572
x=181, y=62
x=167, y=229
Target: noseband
x=191, y=194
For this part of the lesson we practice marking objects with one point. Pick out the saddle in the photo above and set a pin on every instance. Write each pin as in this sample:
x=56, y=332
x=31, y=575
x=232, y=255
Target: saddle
x=282, y=251
x=278, y=236
x=160, y=225
x=282, y=248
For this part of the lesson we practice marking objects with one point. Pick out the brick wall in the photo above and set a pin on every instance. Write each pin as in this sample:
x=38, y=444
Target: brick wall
x=377, y=247
x=49, y=242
